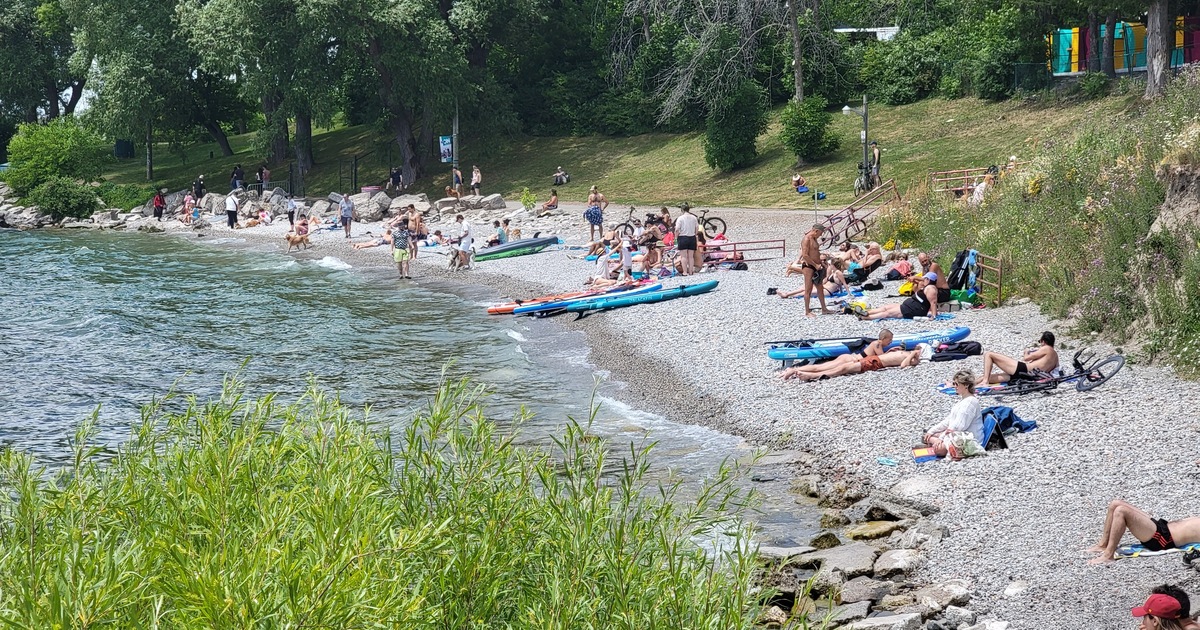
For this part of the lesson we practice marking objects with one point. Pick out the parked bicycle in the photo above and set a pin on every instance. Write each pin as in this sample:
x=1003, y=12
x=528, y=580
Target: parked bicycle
x=841, y=227
x=865, y=182
x=1088, y=375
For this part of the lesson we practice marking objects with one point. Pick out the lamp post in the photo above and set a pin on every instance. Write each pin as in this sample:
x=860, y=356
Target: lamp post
x=847, y=110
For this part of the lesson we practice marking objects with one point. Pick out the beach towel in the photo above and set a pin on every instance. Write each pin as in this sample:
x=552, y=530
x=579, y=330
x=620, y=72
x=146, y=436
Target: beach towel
x=1139, y=551
x=836, y=294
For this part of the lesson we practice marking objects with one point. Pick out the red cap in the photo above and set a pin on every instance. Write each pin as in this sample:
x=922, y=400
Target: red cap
x=1161, y=606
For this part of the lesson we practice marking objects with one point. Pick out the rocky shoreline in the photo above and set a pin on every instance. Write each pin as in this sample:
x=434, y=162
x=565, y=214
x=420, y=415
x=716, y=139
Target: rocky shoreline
x=987, y=543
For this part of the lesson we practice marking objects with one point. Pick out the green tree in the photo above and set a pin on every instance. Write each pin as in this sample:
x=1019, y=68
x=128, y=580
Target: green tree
x=733, y=127
x=63, y=147
x=37, y=76
x=806, y=131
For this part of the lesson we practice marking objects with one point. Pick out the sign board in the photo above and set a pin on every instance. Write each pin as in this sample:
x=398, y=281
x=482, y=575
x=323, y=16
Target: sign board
x=447, y=148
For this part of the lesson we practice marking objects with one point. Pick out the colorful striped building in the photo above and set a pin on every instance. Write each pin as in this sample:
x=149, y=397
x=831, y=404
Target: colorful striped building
x=1069, y=47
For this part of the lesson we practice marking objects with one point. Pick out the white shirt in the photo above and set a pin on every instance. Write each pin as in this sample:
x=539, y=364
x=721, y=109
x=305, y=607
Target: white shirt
x=964, y=416
x=464, y=239
x=231, y=204
x=685, y=224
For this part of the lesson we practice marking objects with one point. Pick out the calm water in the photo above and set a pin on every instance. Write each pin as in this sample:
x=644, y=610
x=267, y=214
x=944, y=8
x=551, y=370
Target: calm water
x=112, y=321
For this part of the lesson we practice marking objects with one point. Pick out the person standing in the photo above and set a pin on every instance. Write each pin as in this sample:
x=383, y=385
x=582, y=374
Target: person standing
x=395, y=180
x=231, y=210
x=476, y=181
x=160, y=204
x=198, y=188
x=265, y=177
x=813, y=269
x=596, y=203
x=463, y=251
x=685, y=239
x=259, y=182
x=291, y=210
x=347, y=212
x=189, y=203
x=416, y=228
x=456, y=176
x=875, y=180
x=401, y=253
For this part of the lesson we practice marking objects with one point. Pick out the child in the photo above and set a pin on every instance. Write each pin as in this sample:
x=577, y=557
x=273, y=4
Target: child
x=626, y=260
x=400, y=237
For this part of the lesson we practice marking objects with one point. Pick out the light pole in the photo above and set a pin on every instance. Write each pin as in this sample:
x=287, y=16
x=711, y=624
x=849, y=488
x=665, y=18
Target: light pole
x=847, y=110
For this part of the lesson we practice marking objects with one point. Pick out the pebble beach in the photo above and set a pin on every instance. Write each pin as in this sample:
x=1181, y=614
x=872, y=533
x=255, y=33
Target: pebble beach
x=1017, y=519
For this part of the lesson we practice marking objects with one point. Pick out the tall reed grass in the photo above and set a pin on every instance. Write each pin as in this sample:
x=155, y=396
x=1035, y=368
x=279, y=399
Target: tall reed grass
x=243, y=513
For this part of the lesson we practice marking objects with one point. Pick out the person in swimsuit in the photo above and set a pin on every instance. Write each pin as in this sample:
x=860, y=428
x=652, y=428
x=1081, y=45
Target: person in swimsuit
x=835, y=280
x=1155, y=534
x=1043, y=358
x=387, y=238
x=302, y=226
x=813, y=268
x=550, y=205
x=922, y=303
x=416, y=229
x=874, y=349
x=595, y=211
x=895, y=358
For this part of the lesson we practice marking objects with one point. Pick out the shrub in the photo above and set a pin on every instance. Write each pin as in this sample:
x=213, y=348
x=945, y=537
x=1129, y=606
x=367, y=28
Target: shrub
x=733, y=127
x=63, y=147
x=903, y=70
x=243, y=514
x=806, y=131
x=1094, y=84
x=62, y=197
x=124, y=196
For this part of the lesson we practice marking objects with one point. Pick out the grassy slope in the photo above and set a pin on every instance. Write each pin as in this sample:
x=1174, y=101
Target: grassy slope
x=657, y=169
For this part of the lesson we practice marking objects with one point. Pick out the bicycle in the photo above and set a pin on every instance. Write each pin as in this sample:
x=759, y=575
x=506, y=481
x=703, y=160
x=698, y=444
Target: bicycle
x=865, y=182
x=629, y=227
x=712, y=225
x=841, y=227
x=1088, y=375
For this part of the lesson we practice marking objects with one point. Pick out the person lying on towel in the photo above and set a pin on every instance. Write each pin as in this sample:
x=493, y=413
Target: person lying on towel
x=1155, y=534
x=894, y=358
x=923, y=302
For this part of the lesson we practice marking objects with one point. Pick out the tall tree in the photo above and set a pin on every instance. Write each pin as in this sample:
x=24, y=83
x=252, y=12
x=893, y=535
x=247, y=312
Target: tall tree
x=1160, y=41
x=37, y=76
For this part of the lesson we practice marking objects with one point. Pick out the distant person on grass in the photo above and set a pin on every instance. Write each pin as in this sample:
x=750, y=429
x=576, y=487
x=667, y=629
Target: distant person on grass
x=685, y=239
x=875, y=159
x=893, y=359
x=395, y=180
x=1155, y=534
x=1043, y=358
x=813, y=268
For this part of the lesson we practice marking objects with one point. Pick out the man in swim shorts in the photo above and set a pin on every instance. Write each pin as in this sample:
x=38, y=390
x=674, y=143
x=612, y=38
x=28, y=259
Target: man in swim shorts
x=1155, y=534
x=813, y=268
x=1044, y=358
x=895, y=358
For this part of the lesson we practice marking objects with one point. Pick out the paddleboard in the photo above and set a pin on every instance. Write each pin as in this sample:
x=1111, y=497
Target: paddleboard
x=530, y=309
x=817, y=350
x=520, y=247
x=620, y=301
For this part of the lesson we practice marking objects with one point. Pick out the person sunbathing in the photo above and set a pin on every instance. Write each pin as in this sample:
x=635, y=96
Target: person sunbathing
x=1043, y=358
x=835, y=280
x=385, y=239
x=964, y=417
x=895, y=358
x=874, y=349
x=1155, y=534
x=922, y=303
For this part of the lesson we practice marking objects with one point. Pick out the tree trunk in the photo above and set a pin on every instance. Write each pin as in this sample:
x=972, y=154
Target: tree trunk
x=149, y=152
x=277, y=149
x=793, y=19
x=76, y=94
x=53, y=109
x=218, y=136
x=303, y=144
x=1160, y=31
x=1093, y=42
x=1108, y=62
x=400, y=116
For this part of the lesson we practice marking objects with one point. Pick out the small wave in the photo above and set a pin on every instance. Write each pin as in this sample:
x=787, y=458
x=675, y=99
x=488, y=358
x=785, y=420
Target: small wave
x=226, y=241
x=521, y=351
x=516, y=336
x=333, y=262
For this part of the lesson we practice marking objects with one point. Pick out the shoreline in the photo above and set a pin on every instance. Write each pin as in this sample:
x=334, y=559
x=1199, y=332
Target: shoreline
x=1015, y=518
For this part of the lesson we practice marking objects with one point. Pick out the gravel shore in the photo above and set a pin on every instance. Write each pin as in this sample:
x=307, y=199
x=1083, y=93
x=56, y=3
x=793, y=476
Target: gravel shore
x=1018, y=518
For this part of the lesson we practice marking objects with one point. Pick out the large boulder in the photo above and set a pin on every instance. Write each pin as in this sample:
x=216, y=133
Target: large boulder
x=448, y=204
x=474, y=202
x=897, y=561
x=865, y=589
x=782, y=555
x=852, y=560
x=911, y=621
x=494, y=202
x=320, y=208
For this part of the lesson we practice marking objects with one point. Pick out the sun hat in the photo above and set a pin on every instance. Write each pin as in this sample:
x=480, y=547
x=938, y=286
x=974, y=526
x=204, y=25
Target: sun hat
x=1159, y=605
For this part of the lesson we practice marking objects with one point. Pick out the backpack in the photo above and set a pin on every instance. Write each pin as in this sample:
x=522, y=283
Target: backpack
x=872, y=285
x=892, y=275
x=957, y=350
x=906, y=288
x=958, y=271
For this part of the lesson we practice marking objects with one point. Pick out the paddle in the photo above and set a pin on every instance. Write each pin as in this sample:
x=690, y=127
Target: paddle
x=808, y=342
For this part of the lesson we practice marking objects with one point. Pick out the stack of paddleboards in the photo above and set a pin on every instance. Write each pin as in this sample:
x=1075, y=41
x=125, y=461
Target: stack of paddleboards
x=582, y=303
x=817, y=350
x=519, y=247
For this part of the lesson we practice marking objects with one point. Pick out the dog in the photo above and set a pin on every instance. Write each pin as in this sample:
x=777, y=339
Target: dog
x=296, y=240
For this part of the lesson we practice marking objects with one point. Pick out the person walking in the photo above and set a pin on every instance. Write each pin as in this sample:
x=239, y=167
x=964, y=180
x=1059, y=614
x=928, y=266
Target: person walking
x=476, y=181
x=685, y=238
x=160, y=204
x=395, y=180
x=401, y=253
x=347, y=212
x=291, y=210
x=456, y=184
x=198, y=189
x=875, y=180
x=231, y=210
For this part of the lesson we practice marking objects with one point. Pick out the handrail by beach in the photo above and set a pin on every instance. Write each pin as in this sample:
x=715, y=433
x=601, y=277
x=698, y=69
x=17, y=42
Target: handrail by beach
x=850, y=222
x=995, y=266
x=733, y=248
x=964, y=180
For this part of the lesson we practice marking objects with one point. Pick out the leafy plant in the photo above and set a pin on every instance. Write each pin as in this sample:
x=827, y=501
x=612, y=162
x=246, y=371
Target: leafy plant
x=62, y=197
x=1094, y=84
x=63, y=147
x=124, y=196
x=527, y=198
x=733, y=127
x=248, y=513
x=806, y=129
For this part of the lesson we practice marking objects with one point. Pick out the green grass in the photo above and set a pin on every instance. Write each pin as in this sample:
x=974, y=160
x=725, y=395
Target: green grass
x=250, y=513
x=656, y=169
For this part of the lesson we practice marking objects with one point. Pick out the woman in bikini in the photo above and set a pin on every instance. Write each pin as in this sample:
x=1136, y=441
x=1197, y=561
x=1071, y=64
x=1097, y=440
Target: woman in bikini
x=595, y=211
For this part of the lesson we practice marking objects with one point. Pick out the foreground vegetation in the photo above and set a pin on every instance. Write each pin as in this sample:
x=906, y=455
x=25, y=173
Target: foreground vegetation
x=251, y=513
x=1074, y=227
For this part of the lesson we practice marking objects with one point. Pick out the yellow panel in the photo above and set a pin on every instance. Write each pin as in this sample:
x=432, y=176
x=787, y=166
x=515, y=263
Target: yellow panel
x=1074, y=50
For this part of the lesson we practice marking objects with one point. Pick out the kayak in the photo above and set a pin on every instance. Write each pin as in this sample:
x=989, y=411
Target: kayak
x=815, y=350
x=533, y=309
x=520, y=247
x=507, y=307
x=620, y=301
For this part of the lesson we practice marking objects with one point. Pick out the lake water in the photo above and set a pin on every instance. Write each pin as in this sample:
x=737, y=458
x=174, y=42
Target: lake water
x=111, y=321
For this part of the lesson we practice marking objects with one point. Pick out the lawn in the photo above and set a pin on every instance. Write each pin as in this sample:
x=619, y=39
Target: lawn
x=656, y=169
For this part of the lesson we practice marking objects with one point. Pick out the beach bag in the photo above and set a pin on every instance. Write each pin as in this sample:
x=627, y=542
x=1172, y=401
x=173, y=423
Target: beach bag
x=872, y=285
x=968, y=296
x=958, y=271
x=906, y=288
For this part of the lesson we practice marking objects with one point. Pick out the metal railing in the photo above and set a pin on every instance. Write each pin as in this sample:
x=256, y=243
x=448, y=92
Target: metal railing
x=736, y=251
x=964, y=180
x=993, y=266
x=855, y=219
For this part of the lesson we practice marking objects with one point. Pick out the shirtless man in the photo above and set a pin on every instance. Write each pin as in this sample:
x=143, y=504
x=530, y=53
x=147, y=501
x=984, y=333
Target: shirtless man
x=813, y=268
x=874, y=349
x=1043, y=358
x=895, y=358
x=1155, y=534
x=416, y=228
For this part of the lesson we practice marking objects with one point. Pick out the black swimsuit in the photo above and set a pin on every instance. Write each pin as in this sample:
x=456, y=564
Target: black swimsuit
x=1161, y=539
x=915, y=306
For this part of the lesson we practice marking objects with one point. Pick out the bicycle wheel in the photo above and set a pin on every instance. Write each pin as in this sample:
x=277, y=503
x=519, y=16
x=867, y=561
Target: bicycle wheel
x=625, y=230
x=1099, y=373
x=713, y=226
x=829, y=237
x=856, y=228
x=860, y=186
